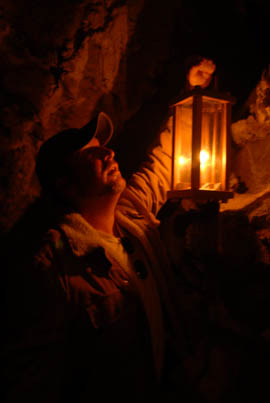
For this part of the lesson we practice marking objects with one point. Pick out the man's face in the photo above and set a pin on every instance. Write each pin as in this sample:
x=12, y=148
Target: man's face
x=96, y=173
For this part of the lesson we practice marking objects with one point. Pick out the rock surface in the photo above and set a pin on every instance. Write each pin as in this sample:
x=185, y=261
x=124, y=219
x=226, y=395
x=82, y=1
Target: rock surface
x=252, y=135
x=59, y=64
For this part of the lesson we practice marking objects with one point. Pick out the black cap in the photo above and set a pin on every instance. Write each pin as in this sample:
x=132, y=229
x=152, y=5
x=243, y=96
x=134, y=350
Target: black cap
x=56, y=149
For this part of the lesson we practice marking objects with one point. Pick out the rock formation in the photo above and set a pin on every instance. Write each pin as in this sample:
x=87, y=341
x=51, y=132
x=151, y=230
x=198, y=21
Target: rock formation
x=59, y=64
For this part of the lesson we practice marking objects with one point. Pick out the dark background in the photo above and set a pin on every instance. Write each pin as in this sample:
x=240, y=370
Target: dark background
x=235, y=34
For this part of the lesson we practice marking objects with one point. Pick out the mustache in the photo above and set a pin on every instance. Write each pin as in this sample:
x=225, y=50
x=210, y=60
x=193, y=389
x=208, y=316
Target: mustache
x=110, y=165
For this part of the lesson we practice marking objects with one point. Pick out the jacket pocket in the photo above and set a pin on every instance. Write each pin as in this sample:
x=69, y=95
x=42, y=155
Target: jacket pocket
x=106, y=309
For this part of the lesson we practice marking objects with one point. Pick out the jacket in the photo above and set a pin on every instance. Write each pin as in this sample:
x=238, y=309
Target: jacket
x=89, y=323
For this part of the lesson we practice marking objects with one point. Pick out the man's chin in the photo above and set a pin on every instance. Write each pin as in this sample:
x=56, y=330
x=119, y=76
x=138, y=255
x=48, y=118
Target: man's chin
x=117, y=186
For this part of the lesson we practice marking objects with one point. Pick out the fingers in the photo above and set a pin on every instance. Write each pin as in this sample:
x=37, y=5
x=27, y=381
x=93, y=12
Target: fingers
x=201, y=74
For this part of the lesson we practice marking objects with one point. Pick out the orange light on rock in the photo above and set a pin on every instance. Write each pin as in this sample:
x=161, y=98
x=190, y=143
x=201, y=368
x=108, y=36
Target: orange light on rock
x=201, y=145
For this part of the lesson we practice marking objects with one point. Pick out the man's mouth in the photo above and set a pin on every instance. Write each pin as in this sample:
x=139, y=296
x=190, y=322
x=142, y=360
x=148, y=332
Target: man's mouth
x=113, y=169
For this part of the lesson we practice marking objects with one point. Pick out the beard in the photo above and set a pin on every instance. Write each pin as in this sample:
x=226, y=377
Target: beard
x=114, y=187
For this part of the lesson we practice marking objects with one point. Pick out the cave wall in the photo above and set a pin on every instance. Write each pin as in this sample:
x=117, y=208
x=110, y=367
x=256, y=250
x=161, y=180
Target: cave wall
x=57, y=62
x=62, y=62
x=252, y=138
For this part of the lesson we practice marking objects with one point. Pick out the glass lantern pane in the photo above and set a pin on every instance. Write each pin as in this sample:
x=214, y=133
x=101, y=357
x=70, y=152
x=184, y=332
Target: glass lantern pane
x=183, y=145
x=213, y=145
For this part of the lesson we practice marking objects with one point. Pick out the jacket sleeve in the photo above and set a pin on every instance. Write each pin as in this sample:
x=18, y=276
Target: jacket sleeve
x=148, y=187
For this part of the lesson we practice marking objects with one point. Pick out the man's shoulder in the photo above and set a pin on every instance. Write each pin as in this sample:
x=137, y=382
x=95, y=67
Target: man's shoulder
x=51, y=244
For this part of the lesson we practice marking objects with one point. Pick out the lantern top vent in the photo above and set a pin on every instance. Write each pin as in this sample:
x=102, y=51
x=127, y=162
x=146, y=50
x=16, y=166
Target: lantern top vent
x=208, y=93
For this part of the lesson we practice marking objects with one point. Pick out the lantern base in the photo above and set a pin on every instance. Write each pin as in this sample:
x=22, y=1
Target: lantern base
x=200, y=194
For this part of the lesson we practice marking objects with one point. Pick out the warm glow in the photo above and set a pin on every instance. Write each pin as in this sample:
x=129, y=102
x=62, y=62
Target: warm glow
x=204, y=157
x=200, y=142
x=181, y=160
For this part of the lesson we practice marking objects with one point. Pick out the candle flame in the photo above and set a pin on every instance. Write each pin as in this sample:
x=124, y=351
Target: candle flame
x=181, y=160
x=204, y=157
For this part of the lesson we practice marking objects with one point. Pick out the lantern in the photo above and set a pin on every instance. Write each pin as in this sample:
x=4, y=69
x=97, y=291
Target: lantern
x=201, y=146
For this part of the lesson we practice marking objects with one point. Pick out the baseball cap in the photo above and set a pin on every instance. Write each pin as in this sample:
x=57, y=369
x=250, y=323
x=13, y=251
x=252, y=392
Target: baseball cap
x=54, y=152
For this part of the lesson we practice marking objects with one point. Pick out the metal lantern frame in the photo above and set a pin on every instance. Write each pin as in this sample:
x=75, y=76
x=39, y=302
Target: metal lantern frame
x=197, y=97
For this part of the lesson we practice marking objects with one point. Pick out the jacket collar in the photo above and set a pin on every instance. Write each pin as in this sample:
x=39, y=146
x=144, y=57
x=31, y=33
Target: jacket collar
x=81, y=236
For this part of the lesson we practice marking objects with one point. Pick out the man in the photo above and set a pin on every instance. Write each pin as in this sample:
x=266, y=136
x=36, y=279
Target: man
x=92, y=299
x=95, y=312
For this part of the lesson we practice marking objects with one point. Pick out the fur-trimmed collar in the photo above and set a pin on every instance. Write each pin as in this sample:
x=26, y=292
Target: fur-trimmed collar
x=81, y=236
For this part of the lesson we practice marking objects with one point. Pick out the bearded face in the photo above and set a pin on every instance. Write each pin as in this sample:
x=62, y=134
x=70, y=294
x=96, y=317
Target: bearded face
x=95, y=172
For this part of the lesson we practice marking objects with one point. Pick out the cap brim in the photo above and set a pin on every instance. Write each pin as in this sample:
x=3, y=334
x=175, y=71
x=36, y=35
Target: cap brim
x=103, y=131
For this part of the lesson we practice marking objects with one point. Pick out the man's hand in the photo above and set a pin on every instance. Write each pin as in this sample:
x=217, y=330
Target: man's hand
x=201, y=74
